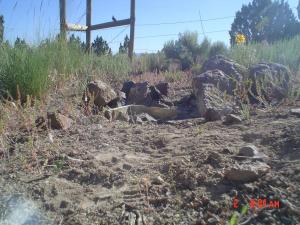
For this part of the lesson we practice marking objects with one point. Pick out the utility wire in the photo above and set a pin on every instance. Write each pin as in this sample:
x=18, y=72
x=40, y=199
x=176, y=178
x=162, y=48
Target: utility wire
x=111, y=41
x=166, y=35
x=184, y=21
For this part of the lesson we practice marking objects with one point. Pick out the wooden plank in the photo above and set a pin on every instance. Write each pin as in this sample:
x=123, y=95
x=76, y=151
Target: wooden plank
x=76, y=27
x=110, y=24
x=62, y=13
x=88, y=24
x=132, y=27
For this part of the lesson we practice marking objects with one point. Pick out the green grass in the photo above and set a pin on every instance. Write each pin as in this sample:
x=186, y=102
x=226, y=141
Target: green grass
x=34, y=70
x=23, y=72
x=286, y=52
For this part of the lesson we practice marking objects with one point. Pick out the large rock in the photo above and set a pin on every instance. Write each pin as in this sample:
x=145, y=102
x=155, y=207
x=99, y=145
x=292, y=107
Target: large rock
x=213, y=91
x=100, y=92
x=140, y=94
x=218, y=78
x=271, y=80
x=246, y=172
x=163, y=88
x=134, y=110
x=127, y=85
x=228, y=66
x=144, y=94
x=232, y=119
x=58, y=121
x=119, y=101
x=295, y=112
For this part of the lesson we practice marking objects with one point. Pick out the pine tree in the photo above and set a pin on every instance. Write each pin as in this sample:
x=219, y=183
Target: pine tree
x=265, y=20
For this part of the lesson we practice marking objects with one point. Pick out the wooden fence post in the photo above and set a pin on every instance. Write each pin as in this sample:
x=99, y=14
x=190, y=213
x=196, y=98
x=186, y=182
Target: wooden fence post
x=132, y=24
x=62, y=10
x=88, y=24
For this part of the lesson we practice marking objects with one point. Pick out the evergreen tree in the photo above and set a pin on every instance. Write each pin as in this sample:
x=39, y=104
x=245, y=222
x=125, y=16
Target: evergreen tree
x=124, y=47
x=1, y=28
x=100, y=46
x=265, y=20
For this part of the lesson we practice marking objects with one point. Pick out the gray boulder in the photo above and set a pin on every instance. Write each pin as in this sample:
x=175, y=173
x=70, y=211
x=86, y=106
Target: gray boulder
x=163, y=88
x=228, y=66
x=246, y=172
x=127, y=85
x=209, y=89
x=140, y=94
x=211, y=102
x=271, y=80
x=58, y=121
x=100, y=92
x=218, y=78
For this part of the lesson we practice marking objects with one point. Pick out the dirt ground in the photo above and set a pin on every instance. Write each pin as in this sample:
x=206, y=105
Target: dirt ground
x=101, y=172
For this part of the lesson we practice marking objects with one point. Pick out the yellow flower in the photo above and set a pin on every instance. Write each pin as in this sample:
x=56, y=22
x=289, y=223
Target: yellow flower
x=240, y=39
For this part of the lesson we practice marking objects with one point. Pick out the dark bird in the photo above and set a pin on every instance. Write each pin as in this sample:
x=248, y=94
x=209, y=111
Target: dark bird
x=114, y=19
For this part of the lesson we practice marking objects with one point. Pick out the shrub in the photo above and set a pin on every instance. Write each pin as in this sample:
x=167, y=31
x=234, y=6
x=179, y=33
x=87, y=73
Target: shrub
x=218, y=48
x=23, y=72
x=286, y=52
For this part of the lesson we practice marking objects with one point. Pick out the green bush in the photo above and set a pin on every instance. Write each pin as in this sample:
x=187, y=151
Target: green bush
x=23, y=72
x=218, y=48
x=286, y=52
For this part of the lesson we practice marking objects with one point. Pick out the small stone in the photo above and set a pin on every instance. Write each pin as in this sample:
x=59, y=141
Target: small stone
x=127, y=166
x=295, y=112
x=158, y=180
x=213, y=221
x=163, y=87
x=249, y=151
x=232, y=119
x=114, y=159
x=234, y=193
x=59, y=121
x=63, y=204
x=100, y=92
x=246, y=172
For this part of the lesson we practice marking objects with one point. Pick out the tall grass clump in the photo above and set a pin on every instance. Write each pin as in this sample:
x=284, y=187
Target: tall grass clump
x=114, y=68
x=150, y=62
x=23, y=71
x=286, y=52
x=63, y=57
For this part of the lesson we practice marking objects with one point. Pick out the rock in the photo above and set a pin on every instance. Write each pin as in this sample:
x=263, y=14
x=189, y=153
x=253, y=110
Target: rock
x=127, y=85
x=101, y=92
x=213, y=159
x=163, y=87
x=246, y=172
x=114, y=159
x=139, y=94
x=218, y=78
x=228, y=66
x=58, y=121
x=249, y=151
x=41, y=123
x=155, y=94
x=127, y=166
x=157, y=180
x=113, y=115
x=119, y=101
x=232, y=119
x=213, y=220
x=144, y=94
x=63, y=204
x=141, y=118
x=271, y=80
x=210, y=101
x=131, y=110
x=295, y=112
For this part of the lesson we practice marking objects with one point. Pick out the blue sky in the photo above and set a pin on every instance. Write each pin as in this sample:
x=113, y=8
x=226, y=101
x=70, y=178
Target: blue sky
x=35, y=20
